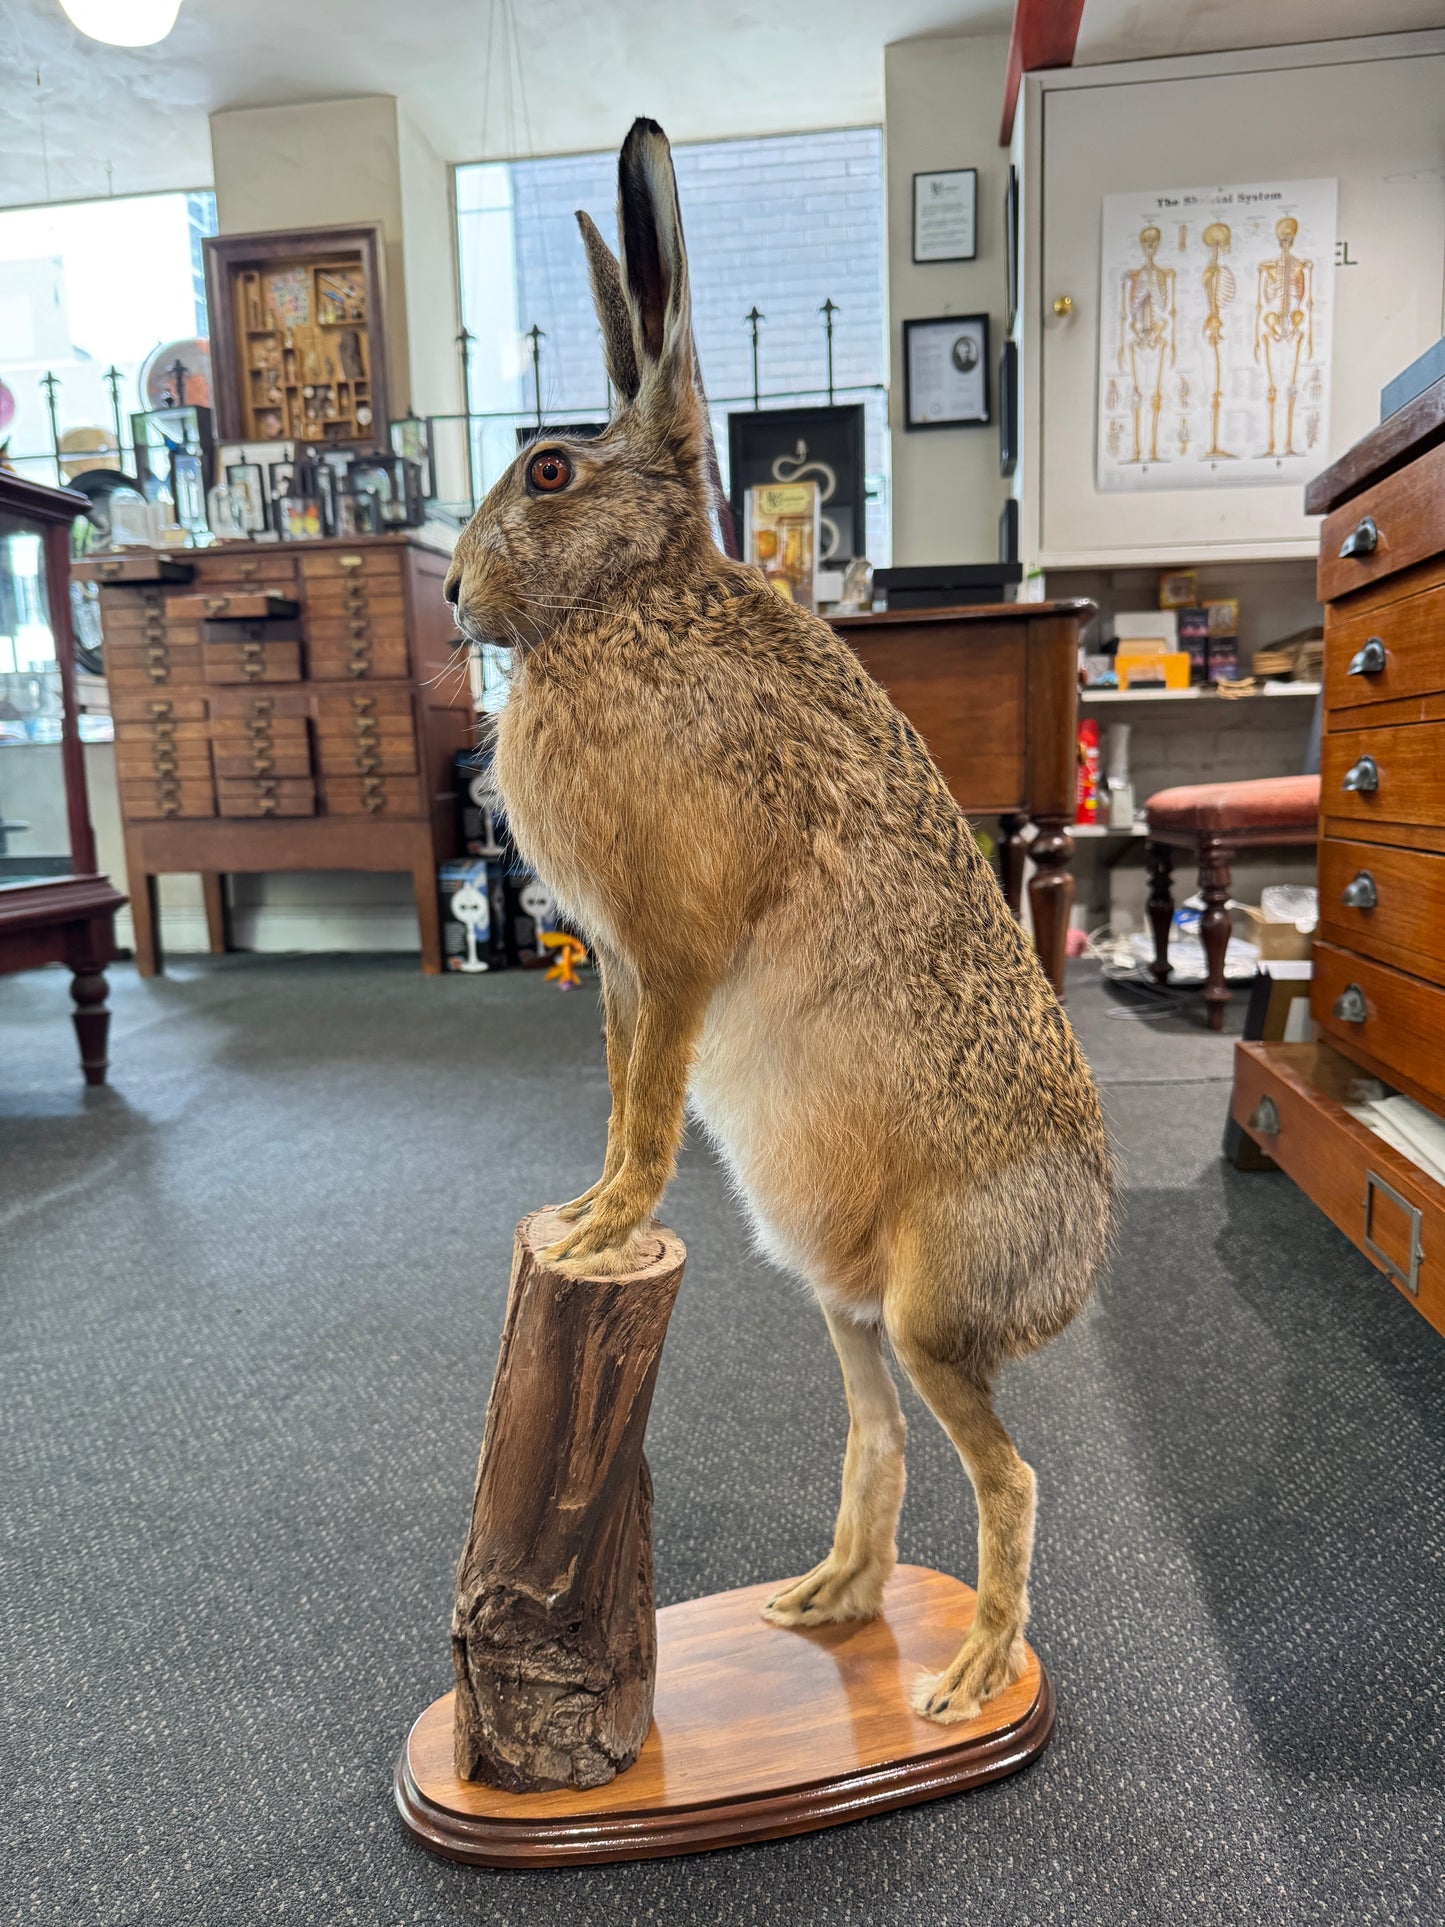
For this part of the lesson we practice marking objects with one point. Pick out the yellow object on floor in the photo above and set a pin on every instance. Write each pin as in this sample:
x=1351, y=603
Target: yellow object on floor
x=570, y=953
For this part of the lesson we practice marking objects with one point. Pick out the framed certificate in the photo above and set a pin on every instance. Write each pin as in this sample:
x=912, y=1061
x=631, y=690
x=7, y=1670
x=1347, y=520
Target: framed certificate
x=945, y=215
x=945, y=372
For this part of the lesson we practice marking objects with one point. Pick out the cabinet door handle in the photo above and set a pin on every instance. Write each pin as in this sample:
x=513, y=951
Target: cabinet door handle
x=1363, y=538
x=1370, y=660
x=1350, y=1006
x=1363, y=776
x=1265, y=1117
x=1360, y=893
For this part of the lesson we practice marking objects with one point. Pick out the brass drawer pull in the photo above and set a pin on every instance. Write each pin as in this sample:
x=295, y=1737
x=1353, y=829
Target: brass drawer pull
x=1265, y=1117
x=1410, y=1278
x=216, y=605
x=1363, y=538
x=350, y=562
x=1369, y=661
x=1363, y=776
x=1360, y=894
x=1350, y=1006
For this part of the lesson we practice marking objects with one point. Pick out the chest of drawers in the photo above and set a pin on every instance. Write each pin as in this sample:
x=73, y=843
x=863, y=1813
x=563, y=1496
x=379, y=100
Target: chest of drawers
x=1378, y=990
x=292, y=708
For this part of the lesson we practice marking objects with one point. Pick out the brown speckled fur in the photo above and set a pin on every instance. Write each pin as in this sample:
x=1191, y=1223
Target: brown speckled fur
x=797, y=933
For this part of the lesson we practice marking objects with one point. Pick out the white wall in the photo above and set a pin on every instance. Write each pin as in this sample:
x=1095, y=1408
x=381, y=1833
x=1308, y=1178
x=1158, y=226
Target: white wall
x=943, y=99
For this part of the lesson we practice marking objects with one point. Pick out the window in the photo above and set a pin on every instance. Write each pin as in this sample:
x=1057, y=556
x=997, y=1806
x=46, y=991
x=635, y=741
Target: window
x=781, y=224
x=87, y=285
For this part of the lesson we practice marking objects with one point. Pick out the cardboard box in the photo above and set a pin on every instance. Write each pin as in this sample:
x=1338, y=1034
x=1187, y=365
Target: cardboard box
x=1146, y=665
x=1277, y=942
x=1148, y=625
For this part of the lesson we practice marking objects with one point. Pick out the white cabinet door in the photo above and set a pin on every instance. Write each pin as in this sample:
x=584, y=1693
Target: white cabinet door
x=1378, y=127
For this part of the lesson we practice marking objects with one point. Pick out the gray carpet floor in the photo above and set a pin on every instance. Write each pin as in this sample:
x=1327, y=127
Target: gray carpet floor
x=250, y=1299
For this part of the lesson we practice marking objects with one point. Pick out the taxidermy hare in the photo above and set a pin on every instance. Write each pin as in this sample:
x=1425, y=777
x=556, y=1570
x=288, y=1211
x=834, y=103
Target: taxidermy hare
x=795, y=930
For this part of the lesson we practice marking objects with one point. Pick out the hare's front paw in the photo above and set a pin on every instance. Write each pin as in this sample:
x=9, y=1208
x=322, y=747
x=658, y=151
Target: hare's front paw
x=605, y=1243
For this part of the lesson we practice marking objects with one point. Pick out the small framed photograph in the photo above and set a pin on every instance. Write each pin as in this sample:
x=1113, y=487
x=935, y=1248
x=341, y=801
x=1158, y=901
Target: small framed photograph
x=945, y=372
x=945, y=215
x=246, y=481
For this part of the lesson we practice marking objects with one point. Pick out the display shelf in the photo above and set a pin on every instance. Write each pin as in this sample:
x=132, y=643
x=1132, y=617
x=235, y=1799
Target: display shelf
x=1192, y=694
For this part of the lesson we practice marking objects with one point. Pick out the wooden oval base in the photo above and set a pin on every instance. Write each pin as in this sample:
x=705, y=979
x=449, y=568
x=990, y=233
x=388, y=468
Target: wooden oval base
x=757, y=1733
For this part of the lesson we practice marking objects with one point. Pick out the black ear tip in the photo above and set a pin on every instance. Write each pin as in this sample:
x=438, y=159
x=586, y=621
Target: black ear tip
x=643, y=129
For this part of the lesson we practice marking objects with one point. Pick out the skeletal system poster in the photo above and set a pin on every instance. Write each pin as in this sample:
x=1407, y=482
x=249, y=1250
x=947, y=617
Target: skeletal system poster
x=1216, y=314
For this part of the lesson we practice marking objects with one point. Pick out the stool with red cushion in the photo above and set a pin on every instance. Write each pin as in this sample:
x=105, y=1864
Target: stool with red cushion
x=1216, y=820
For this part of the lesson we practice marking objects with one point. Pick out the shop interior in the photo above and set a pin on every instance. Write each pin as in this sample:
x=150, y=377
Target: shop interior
x=1076, y=369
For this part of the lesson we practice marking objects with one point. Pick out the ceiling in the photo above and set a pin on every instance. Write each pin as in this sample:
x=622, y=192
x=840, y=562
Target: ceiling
x=1154, y=29
x=134, y=119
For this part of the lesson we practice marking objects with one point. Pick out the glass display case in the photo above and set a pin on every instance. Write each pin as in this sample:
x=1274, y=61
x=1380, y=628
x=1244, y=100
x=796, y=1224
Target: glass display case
x=54, y=907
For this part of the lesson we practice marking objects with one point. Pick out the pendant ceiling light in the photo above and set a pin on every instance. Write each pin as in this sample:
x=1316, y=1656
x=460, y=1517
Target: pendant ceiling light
x=123, y=23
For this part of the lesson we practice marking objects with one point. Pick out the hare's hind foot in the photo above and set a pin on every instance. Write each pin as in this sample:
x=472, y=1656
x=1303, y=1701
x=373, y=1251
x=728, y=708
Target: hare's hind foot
x=835, y=1590
x=985, y=1664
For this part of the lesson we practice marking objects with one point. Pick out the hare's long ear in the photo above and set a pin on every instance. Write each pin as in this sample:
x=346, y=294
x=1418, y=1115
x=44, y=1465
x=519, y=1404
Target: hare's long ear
x=654, y=260
x=613, y=315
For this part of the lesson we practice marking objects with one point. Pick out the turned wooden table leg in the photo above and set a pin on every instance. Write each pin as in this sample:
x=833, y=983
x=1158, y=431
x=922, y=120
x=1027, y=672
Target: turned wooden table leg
x=1051, y=895
x=1159, y=865
x=428, y=909
x=1012, y=851
x=91, y=1017
x=554, y=1634
x=1216, y=859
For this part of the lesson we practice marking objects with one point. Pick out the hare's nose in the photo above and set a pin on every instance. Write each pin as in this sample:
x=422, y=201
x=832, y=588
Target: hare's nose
x=452, y=587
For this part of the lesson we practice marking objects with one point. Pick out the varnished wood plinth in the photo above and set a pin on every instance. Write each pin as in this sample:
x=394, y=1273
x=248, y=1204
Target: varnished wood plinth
x=757, y=1733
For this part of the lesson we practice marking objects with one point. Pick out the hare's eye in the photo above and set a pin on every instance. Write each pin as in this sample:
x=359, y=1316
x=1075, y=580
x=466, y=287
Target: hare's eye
x=550, y=472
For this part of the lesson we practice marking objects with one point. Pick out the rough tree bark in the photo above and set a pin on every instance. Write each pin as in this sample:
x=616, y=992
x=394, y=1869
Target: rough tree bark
x=554, y=1635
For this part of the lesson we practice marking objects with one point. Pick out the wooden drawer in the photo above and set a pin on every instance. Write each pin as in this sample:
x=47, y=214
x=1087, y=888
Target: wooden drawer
x=139, y=757
x=347, y=565
x=342, y=601
x=373, y=794
x=266, y=796
x=139, y=666
x=1385, y=1205
x=1408, y=772
x=357, y=657
x=1401, y=1034
x=1406, y=639
x=1405, y=924
x=162, y=796
x=219, y=602
x=223, y=568
x=185, y=706
x=252, y=661
x=146, y=567
x=1405, y=511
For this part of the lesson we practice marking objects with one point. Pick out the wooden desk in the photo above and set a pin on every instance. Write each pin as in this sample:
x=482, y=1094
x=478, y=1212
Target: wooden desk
x=994, y=692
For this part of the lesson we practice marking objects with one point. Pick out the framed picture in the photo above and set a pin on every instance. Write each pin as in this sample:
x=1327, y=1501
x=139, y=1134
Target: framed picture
x=770, y=446
x=945, y=215
x=1008, y=408
x=414, y=438
x=1011, y=247
x=247, y=481
x=945, y=372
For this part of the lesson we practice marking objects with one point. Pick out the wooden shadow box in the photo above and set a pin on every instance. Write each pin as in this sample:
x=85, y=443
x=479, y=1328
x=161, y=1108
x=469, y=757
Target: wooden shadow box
x=298, y=336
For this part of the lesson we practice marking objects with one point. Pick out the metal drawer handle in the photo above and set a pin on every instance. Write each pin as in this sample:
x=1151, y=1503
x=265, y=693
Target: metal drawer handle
x=214, y=604
x=1369, y=661
x=1363, y=776
x=350, y=562
x=1410, y=1279
x=1363, y=539
x=1350, y=1006
x=1360, y=894
x=1265, y=1117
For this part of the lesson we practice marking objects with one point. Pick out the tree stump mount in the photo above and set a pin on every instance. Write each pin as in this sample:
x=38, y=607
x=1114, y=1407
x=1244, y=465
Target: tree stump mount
x=554, y=1634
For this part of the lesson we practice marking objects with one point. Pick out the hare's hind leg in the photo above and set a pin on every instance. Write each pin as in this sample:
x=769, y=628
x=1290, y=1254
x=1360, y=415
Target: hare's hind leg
x=849, y=1583
x=957, y=1392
